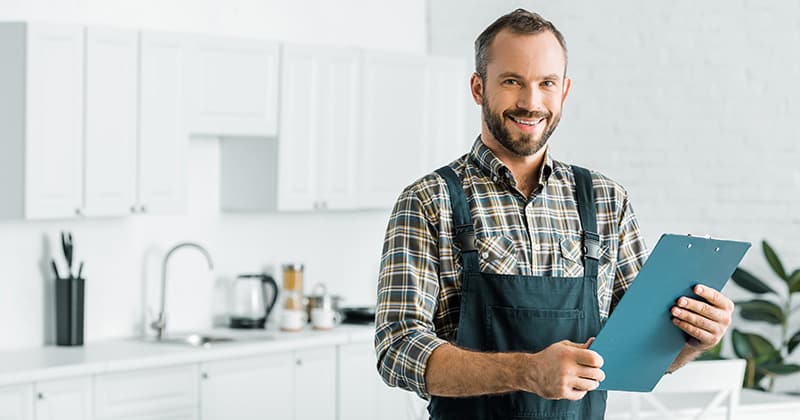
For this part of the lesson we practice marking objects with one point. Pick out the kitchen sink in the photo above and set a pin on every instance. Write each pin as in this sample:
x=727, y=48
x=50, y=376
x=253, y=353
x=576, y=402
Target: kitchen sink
x=197, y=340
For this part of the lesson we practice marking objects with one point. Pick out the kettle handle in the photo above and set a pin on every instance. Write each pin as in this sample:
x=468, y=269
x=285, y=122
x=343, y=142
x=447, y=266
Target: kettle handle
x=268, y=279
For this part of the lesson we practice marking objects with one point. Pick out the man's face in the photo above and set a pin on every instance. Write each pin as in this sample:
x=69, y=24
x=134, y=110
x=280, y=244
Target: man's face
x=524, y=90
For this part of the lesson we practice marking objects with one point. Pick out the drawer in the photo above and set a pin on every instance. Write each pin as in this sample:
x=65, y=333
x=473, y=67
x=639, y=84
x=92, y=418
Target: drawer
x=145, y=392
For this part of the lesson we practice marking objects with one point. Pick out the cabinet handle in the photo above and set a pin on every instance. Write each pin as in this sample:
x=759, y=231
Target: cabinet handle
x=78, y=211
x=39, y=396
x=204, y=375
x=133, y=209
x=143, y=208
x=299, y=362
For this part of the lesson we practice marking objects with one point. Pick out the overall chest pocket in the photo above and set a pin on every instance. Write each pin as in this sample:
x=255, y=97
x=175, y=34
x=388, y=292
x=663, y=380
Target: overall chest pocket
x=532, y=330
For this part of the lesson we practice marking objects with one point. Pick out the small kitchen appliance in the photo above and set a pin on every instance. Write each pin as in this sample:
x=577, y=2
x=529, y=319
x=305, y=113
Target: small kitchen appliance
x=254, y=296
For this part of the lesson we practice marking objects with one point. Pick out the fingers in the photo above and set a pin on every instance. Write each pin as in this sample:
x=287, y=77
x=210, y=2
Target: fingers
x=593, y=374
x=697, y=321
x=714, y=297
x=706, y=338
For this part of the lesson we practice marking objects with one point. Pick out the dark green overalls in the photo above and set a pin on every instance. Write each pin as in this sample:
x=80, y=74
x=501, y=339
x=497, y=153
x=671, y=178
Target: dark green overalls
x=505, y=313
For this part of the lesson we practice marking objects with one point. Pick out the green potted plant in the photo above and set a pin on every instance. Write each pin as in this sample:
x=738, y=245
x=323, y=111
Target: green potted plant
x=773, y=307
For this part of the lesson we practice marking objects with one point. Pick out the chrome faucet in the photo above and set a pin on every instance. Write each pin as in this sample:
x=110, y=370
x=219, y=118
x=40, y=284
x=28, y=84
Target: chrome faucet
x=160, y=325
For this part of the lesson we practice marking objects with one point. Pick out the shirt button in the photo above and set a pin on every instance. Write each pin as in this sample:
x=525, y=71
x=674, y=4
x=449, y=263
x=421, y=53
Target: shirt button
x=537, y=247
x=494, y=178
x=485, y=255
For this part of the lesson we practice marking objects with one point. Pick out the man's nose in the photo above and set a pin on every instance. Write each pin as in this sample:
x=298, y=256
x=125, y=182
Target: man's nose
x=530, y=99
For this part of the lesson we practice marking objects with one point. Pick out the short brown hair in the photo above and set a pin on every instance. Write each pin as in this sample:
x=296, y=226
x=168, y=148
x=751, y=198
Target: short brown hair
x=519, y=21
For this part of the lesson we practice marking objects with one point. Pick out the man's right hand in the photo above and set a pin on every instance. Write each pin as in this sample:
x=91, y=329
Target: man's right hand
x=565, y=370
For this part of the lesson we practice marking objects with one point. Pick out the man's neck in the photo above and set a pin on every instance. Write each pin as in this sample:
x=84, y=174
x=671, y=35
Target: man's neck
x=525, y=169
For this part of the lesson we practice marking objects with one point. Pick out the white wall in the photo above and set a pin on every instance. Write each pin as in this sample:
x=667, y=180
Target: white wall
x=123, y=256
x=691, y=105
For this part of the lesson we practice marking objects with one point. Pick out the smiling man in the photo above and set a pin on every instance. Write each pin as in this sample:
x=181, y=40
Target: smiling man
x=500, y=268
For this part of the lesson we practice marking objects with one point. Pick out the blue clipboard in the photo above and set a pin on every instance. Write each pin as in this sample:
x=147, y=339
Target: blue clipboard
x=638, y=341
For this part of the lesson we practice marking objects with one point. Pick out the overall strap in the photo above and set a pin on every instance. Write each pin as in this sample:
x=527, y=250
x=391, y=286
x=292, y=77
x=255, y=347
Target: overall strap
x=588, y=214
x=462, y=220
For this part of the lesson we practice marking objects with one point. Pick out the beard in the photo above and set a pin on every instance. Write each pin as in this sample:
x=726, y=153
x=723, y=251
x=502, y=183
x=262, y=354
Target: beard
x=524, y=144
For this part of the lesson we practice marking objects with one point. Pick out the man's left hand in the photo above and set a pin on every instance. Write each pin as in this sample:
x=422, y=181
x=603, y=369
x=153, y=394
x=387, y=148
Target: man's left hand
x=706, y=322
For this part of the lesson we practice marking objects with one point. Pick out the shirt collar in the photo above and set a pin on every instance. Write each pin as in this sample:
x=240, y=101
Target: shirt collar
x=492, y=166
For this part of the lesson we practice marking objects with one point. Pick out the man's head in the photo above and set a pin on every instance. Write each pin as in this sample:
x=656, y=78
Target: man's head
x=520, y=80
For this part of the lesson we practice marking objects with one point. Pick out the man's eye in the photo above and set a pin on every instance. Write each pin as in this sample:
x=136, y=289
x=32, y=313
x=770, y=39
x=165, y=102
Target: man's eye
x=510, y=82
x=548, y=83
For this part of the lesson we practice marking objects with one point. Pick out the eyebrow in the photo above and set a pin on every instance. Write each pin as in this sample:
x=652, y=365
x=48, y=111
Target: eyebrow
x=551, y=76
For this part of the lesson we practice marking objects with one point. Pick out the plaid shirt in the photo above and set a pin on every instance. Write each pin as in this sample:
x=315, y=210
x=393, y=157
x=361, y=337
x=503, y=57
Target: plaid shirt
x=419, y=289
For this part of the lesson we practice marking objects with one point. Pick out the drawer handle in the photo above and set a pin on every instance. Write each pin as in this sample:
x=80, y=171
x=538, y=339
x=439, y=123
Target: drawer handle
x=39, y=396
x=204, y=375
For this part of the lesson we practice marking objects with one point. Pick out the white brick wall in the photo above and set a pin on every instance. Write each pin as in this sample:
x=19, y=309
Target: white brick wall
x=693, y=106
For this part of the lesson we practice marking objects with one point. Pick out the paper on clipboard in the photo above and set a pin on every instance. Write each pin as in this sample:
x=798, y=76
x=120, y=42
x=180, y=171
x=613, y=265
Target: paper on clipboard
x=638, y=341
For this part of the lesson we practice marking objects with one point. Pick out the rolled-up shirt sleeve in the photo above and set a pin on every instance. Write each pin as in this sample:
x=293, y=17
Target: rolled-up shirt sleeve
x=408, y=288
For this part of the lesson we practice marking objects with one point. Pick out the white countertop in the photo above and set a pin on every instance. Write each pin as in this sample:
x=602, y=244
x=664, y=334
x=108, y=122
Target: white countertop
x=53, y=362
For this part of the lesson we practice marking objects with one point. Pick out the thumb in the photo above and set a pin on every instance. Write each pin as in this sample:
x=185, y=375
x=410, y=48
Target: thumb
x=579, y=345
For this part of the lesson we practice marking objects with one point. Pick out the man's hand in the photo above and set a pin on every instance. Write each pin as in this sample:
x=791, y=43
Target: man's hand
x=705, y=322
x=565, y=370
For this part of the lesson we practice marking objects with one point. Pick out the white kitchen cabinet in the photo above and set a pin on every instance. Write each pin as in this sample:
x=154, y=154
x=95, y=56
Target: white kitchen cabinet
x=318, y=129
x=315, y=153
x=41, y=120
x=393, y=118
x=163, y=141
x=65, y=399
x=446, y=97
x=315, y=384
x=248, y=388
x=158, y=393
x=16, y=402
x=111, y=121
x=233, y=86
x=296, y=385
x=362, y=393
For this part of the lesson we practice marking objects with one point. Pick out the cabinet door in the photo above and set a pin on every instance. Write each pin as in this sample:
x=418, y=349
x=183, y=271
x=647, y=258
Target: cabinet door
x=248, y=389
x=68, y=399
x=315, y=384
x=54, y=121
x=163, y=142
x=337, y=138
x=111, y=121
x=299, y=128
x=146, y=394
x=233, y=87
x=446, y=98
x=16, y=402
x=391, y=142
x=358, y=382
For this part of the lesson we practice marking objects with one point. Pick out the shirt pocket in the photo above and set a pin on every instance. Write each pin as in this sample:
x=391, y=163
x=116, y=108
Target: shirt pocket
x=572, y=261
x=497, y=254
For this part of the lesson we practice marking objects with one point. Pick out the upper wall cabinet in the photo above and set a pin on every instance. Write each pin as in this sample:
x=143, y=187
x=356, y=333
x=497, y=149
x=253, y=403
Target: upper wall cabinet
x=233, y=87
x=446, y=97
x=41, y=120
x=163, y=142
x=111, y=121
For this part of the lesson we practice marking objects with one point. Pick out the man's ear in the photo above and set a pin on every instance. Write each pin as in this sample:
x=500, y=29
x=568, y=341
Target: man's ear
x=567, y=85
x=476, y=87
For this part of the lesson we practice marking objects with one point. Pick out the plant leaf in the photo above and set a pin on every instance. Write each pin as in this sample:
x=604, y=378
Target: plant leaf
x=774, y=261
x=749, y=282
x=761, y=310
x=714, y=353
x=794, y=341
x=752, y=346
x=779, y=368
x=794, y=281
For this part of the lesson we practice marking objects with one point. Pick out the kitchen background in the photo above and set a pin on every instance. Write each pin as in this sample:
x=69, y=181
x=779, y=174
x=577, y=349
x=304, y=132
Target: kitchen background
x=691, y=105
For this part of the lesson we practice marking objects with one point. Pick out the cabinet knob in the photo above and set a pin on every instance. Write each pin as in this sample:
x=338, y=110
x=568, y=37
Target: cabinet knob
x=39, y=396
x=299, y=362
x=143, y=208
x=78, y=211
x=204, y=375
x=133, y=209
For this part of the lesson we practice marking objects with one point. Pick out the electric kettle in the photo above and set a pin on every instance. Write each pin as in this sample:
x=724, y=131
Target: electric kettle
x=253, y=297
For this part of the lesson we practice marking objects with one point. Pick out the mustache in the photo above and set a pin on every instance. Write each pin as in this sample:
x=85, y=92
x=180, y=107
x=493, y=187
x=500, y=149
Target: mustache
x=528, y=115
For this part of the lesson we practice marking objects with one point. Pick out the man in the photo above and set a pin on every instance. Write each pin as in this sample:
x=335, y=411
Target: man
x=498, y=269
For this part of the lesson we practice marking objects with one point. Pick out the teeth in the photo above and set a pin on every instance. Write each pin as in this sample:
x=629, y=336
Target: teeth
x=526, y=122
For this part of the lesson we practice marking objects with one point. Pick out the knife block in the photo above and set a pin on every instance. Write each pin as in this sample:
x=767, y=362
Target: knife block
x=69, y=311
